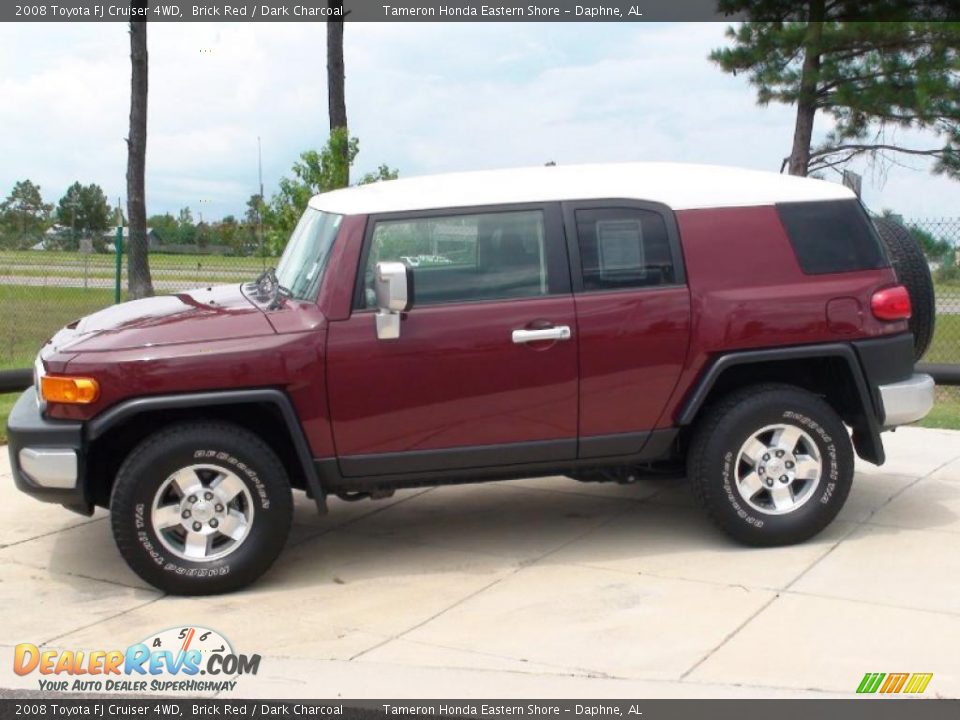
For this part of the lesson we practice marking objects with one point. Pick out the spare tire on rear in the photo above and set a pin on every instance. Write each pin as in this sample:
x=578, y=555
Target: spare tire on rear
x=913, y=272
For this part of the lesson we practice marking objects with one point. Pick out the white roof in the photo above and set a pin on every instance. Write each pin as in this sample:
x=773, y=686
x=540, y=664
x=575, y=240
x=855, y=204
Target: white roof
x=679, y=186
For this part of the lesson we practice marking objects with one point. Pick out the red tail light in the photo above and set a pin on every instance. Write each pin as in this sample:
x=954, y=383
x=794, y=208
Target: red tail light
x=892, y=303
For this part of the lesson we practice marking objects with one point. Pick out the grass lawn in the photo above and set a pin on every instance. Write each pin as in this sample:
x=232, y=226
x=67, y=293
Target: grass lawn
x=945, y=347
x=31, y=315
x=6, y=404
x=193, y=268
x=946, y=413
x=106, y=261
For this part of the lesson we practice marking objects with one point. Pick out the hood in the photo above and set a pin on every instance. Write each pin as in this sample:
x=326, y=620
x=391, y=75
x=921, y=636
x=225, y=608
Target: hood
x=190, y=316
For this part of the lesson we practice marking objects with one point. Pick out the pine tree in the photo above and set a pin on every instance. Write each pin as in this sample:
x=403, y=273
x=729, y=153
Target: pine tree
x=23, y=216
x=336, y=87
x=874, y=78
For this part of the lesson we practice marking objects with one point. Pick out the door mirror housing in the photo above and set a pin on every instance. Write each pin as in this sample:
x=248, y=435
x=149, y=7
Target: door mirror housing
x=393, y=286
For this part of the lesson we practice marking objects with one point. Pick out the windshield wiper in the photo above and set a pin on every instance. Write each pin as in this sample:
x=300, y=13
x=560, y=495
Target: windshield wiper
x=270, y=290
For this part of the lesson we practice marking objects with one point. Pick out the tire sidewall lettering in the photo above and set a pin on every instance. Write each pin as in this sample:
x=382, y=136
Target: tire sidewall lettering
x=828, y=449
x=146, y=534
x=260, y=490
x=146, y=537
x=733, y=496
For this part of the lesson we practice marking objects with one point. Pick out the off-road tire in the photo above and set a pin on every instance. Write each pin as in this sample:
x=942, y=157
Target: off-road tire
x=223, y=445
x=722, y=431
x=913, y=272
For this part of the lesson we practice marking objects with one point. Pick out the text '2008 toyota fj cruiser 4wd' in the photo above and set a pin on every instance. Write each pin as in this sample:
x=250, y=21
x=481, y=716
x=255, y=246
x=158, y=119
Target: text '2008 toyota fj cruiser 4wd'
x=595, y=321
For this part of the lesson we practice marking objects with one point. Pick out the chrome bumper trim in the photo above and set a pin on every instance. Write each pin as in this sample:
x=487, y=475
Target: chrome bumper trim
x=50, y=467
x=907, y=401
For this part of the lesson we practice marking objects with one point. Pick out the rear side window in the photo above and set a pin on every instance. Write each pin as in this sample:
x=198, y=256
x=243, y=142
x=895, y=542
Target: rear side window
x=623, y=248
x=832, y=237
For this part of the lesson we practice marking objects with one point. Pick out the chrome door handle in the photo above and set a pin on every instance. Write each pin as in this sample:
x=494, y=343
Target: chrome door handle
x=560, y=332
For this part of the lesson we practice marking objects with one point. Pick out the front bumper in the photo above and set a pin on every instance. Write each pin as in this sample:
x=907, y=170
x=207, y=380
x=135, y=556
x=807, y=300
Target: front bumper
x=907, y=401
x=46, y=456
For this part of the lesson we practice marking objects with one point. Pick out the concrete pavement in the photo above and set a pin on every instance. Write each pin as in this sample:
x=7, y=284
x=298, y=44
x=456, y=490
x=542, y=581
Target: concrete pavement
x=543, y=587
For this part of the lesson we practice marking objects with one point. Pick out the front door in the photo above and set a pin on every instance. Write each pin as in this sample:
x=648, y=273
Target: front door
x=484, y=372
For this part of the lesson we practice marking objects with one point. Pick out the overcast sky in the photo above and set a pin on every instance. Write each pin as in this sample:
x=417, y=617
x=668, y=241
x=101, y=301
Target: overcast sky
x=422, y=98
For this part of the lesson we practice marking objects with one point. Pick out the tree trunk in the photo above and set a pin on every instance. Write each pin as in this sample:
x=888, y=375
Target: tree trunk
x=336, y=80
x=139, y=283
x=799, y=162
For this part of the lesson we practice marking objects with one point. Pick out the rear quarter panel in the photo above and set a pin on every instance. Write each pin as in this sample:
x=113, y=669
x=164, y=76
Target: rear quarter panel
x=747, y=291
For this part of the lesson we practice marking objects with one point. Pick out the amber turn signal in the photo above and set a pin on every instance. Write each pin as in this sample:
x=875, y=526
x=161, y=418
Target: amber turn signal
x=73, y=390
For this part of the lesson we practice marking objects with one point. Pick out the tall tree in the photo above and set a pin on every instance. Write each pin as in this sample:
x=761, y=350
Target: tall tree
x=139, y=283
x=23, y=215
x=315, y=172
x=873, y=77
x=336, y=83
x=84, y=209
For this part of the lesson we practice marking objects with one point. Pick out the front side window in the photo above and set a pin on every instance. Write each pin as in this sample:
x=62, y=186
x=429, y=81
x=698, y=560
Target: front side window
x=305, y=258
x=464, y=258
x=623, y=248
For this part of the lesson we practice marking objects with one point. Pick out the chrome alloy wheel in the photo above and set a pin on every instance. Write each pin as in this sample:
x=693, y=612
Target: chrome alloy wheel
x=778, y=469
x=202, y=513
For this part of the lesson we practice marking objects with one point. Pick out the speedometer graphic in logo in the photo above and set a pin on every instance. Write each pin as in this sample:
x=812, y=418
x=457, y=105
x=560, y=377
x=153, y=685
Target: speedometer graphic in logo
x=179, y=640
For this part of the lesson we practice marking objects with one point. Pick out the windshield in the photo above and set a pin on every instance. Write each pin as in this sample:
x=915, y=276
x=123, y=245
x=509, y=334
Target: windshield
x=305, y=257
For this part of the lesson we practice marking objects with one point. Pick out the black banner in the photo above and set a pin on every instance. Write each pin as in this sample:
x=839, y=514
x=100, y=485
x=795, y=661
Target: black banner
x=443, y=11
x=178, y=709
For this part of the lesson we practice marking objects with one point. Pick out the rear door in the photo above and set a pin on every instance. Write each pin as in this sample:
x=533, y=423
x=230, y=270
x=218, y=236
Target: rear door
x=471, y=381
x=633, y=319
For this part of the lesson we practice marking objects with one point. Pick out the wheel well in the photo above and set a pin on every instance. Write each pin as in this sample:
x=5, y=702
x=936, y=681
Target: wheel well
x=829, y=377
x=108, y=451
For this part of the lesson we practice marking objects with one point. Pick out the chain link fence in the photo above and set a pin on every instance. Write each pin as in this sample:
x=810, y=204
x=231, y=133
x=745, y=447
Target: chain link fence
x=45, y=285
x=940, y=238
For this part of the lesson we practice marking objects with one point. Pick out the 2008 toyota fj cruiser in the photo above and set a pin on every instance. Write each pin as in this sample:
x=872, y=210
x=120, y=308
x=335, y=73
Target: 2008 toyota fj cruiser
x=595, y=321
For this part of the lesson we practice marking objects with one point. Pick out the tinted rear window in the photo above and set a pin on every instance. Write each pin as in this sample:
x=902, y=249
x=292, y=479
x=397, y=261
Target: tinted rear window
x=832, y=237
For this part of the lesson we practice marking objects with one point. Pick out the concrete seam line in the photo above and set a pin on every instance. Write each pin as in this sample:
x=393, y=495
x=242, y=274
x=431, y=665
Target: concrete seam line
x=106, y=619
x=53, y=532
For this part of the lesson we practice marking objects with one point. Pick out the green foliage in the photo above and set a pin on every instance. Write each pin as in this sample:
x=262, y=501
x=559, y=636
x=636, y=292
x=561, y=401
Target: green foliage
x=315, y=172
x=934, y=248
x=84, y=212
x=383, y=172
x=948, y=270
x=871, y=77
x=165, y=226
x=23, y=216
x=226, y=235
x=252, y=214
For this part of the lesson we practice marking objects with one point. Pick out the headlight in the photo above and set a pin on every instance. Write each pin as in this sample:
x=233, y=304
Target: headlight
x=38, y=373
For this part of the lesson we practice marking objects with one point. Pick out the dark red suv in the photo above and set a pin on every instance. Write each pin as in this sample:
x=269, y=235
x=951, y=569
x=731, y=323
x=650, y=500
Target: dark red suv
x=600, y=322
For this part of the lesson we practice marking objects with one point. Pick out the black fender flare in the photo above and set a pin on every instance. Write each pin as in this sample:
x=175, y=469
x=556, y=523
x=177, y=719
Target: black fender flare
x=866, y=428
x=125, y=410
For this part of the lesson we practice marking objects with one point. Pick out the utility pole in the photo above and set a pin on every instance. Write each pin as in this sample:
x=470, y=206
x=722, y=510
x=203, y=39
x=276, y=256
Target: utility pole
x=263, y=257
x=118, y=255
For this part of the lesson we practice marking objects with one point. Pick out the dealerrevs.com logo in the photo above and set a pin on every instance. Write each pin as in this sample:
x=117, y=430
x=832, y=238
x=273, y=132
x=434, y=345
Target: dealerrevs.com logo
x=184, y=659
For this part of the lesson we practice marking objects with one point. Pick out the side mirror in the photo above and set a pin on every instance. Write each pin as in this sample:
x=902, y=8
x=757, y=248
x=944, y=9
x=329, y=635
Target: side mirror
x=393, y=286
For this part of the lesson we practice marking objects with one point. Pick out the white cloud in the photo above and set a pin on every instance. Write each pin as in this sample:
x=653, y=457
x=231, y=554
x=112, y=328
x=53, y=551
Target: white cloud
x=421, y=97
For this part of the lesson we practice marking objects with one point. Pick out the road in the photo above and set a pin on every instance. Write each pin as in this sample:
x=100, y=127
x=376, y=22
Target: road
x=164, y=282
